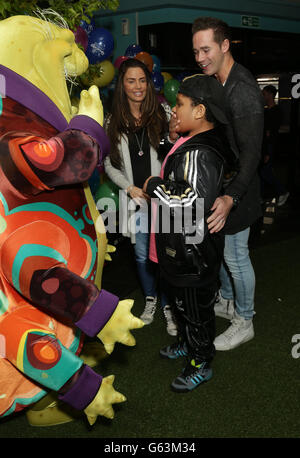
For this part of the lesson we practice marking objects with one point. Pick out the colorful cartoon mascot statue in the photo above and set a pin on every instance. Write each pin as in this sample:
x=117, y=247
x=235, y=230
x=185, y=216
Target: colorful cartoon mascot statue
x=51, y=254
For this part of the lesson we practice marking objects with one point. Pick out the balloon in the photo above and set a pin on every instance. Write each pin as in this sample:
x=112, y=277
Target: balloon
x=100, y=169
x=146, y=59
x=81, y=37
x=167, y=76
x=133, y=50
x=182, y=75
x=106, y=74
x=108, y=189
x=100, y=46
x=94, y=181
x=88, y=27
x=104, y=92
x=161, y=98
x=86, y=79
x=156, y=63
x=112, y=85
x=158, y=81
x=170, y=91
x=119, y=61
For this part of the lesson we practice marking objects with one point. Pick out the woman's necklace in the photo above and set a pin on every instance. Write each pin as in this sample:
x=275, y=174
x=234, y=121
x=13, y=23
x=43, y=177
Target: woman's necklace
x=140, y=145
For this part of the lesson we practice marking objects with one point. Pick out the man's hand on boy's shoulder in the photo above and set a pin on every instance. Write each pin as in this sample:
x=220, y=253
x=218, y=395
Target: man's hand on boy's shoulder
x=221, y=209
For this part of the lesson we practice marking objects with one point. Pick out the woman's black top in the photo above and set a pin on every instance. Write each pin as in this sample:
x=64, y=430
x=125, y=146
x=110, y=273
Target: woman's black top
x=141, y=164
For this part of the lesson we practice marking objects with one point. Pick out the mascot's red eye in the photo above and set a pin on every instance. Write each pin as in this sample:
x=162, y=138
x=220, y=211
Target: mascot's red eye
x=46, y=156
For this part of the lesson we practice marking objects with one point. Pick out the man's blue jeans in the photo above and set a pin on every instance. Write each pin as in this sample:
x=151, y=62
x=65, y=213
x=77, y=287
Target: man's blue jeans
x=237, y=275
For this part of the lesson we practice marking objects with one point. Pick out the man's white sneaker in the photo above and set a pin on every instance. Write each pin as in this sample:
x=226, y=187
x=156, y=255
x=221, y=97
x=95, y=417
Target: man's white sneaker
x=171, y=325
x=239, y=332
x=224, y=308
x=282, y=199
x=150, y=308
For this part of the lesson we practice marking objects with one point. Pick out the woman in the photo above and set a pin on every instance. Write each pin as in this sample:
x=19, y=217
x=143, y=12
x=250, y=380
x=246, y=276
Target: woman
x=136, y=126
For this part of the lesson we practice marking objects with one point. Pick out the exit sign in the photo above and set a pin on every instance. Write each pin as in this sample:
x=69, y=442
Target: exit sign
x=250, y=21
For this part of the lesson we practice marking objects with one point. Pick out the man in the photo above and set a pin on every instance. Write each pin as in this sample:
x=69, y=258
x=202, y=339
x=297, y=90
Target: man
x=239, y=207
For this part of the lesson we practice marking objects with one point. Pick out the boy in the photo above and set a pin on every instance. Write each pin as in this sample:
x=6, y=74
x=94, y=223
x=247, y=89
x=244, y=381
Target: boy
x=193, y=169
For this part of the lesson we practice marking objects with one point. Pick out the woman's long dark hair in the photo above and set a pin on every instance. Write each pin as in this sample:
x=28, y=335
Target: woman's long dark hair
x=121, y=121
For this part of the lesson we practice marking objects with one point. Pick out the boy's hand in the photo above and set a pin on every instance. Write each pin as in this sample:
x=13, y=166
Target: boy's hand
x=173, y=126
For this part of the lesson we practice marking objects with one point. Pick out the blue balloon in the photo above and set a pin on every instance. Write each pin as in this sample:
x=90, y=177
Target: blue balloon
x=133, y=50
x=104, y=91
x=101, y=45
x=156, y=63
x=94, y=181
x=112, y=84
x=158, y=81
x=88, y=27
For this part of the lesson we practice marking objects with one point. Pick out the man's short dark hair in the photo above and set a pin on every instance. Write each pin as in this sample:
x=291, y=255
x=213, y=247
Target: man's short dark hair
x=221, y=29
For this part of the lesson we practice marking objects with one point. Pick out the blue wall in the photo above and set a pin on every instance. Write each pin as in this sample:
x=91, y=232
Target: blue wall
x=273, y=15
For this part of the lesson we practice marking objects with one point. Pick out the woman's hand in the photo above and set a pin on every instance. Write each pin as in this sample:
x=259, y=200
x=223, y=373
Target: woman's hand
x=137, y=193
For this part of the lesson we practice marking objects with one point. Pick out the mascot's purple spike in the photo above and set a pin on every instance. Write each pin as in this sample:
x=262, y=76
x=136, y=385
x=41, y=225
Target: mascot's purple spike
x=52, y=238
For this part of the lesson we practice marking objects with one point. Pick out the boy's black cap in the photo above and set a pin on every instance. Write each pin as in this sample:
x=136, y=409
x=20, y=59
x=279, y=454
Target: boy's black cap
x=207, y=89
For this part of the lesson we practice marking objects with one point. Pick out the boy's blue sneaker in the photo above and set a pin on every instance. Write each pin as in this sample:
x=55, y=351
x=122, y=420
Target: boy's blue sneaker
x=192, y=376
x=174, y=351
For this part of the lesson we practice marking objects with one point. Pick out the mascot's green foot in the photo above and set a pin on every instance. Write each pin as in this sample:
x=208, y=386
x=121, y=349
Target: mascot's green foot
x=49, y=411
x=92, y=353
